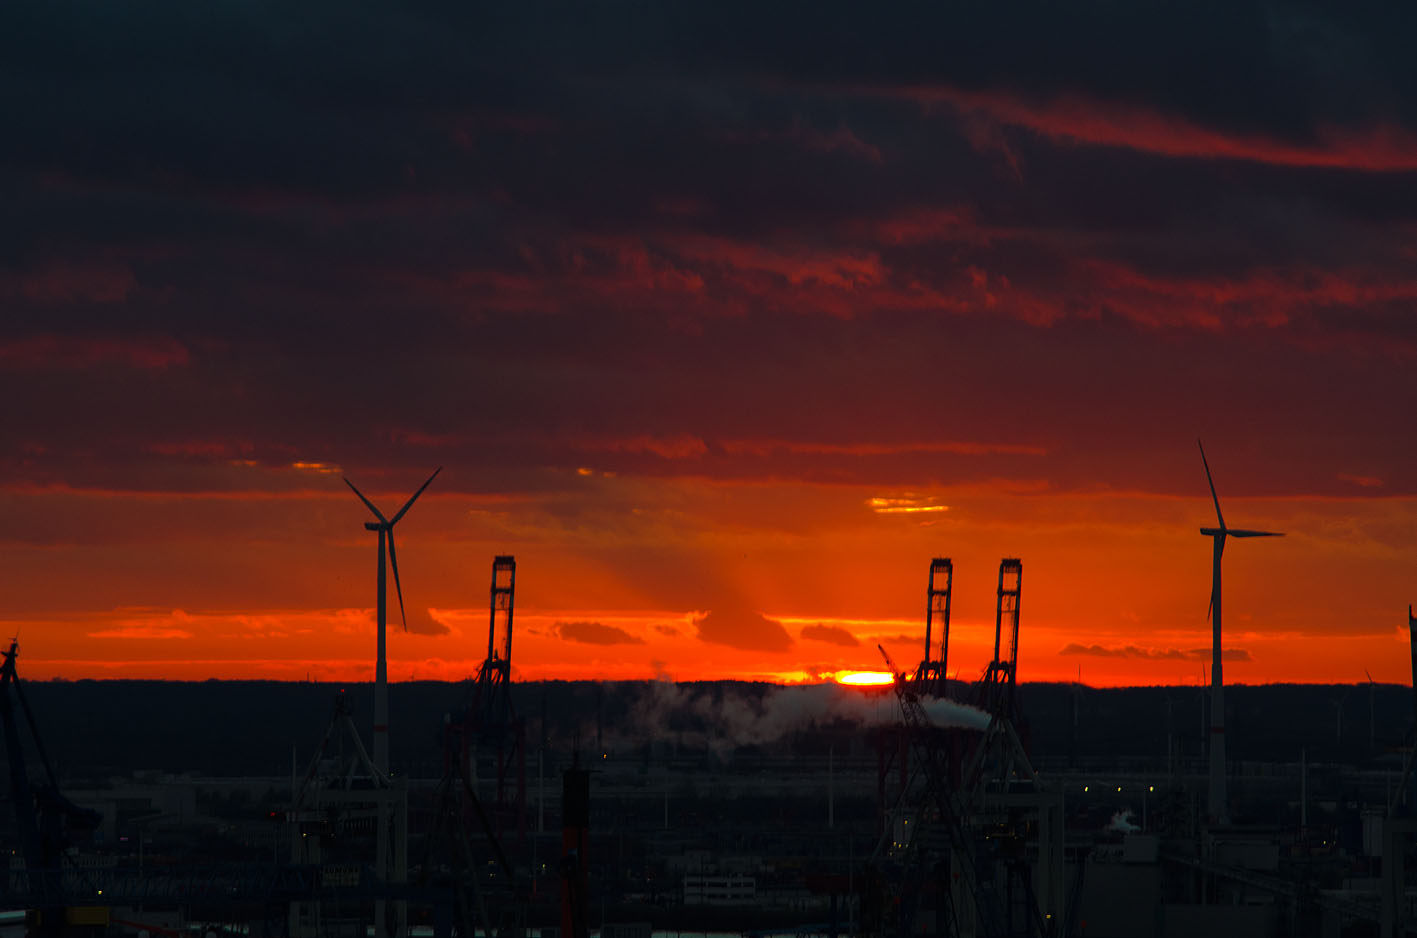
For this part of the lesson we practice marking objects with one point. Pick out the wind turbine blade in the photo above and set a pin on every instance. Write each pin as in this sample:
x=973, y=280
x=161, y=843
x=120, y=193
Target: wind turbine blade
x=1368, y=676
x=1218, y=516
x=366, y=501
x=1234, y=532
x=1211, y=606
x=394, y=562
x=409, y=504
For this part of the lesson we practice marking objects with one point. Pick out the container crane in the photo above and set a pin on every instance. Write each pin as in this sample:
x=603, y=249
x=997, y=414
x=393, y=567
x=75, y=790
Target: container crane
x=41, y=809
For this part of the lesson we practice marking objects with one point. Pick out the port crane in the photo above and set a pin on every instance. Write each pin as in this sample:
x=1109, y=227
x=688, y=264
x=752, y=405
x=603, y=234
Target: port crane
x=489, y=721
x=41, y=809
x=977, y=811
x=941, y=809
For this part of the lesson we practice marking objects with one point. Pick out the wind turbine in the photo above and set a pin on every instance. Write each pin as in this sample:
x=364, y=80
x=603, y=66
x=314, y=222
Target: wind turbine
x=385, y=528
x=1219, y=810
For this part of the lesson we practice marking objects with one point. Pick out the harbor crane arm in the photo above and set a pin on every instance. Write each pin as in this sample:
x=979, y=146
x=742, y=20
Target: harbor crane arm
x=39, y=811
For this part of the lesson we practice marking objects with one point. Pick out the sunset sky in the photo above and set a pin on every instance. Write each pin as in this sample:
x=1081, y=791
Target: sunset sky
x=722, y=320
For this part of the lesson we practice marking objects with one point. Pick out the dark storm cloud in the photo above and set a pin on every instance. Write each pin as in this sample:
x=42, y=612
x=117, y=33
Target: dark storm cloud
x=660, y=241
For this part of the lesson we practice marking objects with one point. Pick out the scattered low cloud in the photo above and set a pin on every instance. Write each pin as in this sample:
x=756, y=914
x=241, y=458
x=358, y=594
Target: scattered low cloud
x=421, y=621
x=744, y=629
x=65, y=352
x=678, y=446
x=596, y=633
x=1153, y=654
x=901, y=639
x=141, y=632
x=832, y=634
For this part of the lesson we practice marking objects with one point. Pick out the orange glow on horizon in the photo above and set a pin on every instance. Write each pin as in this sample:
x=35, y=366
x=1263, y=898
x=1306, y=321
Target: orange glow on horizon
x=775, y=582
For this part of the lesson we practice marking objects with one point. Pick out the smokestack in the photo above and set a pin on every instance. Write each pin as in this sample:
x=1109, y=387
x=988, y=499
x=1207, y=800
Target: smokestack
x=1303, y=789
x=1412, y=644
x=575, y=839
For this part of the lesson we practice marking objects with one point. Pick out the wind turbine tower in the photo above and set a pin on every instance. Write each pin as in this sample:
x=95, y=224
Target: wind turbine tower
x=1219, y=807
x=385, y=529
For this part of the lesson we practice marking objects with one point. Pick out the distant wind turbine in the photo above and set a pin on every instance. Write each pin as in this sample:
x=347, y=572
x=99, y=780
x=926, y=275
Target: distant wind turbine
x=385, y=528
x=1219, y=810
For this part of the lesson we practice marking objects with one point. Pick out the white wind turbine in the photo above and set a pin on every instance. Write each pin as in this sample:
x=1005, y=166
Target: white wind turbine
x=385, y=528
x=1219, y=810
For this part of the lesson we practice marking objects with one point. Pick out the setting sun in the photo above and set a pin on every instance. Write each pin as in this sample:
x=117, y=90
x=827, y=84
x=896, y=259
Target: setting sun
x=864, y=678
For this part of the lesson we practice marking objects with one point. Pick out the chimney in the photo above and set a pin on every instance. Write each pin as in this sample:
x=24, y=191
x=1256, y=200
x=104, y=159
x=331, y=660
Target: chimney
x=575, y=839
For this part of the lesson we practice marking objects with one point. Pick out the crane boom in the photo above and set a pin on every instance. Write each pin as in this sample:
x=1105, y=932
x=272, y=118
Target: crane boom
x=39, y=810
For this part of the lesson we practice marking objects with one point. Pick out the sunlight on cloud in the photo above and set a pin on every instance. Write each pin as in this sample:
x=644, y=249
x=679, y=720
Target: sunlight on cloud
x=140, y=631
x=322, y=467
x=908, y=503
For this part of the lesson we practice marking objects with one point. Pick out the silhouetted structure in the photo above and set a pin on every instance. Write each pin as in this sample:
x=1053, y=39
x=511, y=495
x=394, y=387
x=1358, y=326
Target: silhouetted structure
x=384, y=862
x=41, y=811
x=489, y=721
x=965, y=835
x=1218, y=804
x=342, y=803
x=385, y=529
x=930, y=677
x=575, y=845
x=1412, y=643
x=998, y=693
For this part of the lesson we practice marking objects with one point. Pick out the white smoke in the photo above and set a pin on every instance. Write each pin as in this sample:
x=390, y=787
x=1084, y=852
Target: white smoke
x=954, y=714
x=1122, y=823
x=726, y=716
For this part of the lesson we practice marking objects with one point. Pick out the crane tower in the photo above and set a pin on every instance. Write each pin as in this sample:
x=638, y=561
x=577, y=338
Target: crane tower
x=490, y=728
x=1000, y=690
x=930, y=676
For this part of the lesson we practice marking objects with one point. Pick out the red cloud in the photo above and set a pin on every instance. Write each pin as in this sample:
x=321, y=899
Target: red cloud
x=956, y=447
x=141, y=632
x=43, y=352
x=679, y=446
x=204, y=449
x=1259, y=297
x=1074, y=119
x=66, y=283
